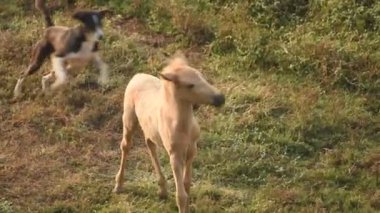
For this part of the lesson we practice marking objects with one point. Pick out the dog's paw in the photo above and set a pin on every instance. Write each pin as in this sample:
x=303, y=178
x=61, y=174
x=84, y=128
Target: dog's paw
x=103, y=79
x=104, y=76
x=47, y=92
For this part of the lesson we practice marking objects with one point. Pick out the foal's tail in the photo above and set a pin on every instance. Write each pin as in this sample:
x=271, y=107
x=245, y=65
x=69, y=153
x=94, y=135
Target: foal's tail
x=41, y=6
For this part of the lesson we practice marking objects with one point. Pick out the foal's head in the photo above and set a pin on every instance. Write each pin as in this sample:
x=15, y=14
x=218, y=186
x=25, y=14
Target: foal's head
x=189, y=84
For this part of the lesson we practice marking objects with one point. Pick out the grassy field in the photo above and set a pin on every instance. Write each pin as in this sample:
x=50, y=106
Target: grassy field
x=300, y=131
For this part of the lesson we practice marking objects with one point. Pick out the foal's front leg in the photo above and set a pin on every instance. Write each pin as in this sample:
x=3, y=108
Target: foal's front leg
x=103, y=69
x=191, y=152
x=177, y=164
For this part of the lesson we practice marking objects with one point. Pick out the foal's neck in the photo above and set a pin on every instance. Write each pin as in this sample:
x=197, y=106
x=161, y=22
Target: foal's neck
x=180, y=111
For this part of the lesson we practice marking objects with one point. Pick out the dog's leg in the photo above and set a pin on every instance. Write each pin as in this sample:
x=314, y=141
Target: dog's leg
x=103, y=69
x=45, y=78
x=177, y=164
x=41, y=51
x=191, y=152
x=59, y=71
x=17, y=90
x=129, y=125
x=152, y=148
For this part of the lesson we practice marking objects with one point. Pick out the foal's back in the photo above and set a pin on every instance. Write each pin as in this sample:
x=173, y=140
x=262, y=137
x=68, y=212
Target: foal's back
x=143, y=89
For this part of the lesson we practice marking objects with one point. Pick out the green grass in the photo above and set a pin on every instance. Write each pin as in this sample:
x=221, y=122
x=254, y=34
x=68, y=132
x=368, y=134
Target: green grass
x=300, y=131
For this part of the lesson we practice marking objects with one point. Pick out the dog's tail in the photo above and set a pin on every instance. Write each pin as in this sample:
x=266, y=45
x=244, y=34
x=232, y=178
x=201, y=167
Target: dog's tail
x=41, y=6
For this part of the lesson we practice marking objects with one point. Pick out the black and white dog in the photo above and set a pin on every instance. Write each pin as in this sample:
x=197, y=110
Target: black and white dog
x=67, y=45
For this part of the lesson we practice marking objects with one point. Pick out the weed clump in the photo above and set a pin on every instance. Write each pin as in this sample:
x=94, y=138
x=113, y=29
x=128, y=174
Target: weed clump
x=274, y=13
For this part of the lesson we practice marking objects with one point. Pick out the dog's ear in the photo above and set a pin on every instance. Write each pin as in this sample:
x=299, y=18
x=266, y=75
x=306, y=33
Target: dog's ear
x=105, y=12
x=169, y=77
x=80, y=15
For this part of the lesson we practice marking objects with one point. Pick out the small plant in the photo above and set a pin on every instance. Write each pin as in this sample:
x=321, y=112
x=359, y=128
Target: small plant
x=6, y=206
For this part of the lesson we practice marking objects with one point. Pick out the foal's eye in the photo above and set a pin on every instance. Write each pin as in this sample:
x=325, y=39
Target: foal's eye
x=190, y=86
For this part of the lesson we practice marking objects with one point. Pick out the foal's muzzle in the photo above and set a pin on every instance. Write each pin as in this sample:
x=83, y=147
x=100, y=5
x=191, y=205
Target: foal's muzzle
x=218, y=100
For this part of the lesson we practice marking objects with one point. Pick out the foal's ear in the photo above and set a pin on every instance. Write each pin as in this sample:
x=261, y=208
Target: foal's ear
x=169, y=77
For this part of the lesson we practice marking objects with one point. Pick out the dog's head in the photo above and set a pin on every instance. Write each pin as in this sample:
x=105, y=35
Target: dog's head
x=92, y=21
x=189, y=84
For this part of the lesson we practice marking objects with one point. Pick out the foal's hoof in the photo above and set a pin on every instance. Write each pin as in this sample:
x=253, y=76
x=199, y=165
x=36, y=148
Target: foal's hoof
x=163, y=195
x=14, y=99
x=117, y=190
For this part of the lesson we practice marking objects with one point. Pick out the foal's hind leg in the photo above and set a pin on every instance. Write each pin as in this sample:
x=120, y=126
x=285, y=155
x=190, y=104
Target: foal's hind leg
x=152, y=148
x=129, y=125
